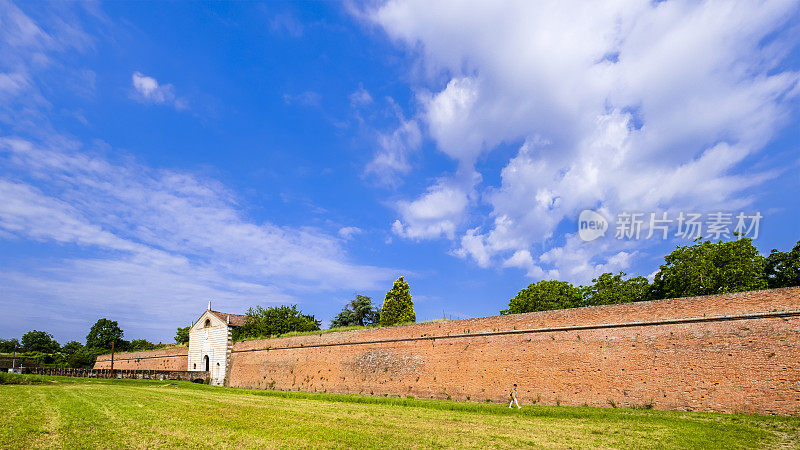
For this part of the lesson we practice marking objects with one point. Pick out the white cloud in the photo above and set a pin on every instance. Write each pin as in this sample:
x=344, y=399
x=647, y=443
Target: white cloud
x=620, y=105
x=130, y=207
x=286, y=23
x=392, y=158
x=580, y=263
x=573, y=261
x=12, y=84
x=436, y=213
x=452, y=124
x=162, y=238
x=306, y=98
x=360, y=98
x=149, y=297
x=472, y=245
x=349, y=232
x=123, y=240
x=148, y=90
x=28, y=55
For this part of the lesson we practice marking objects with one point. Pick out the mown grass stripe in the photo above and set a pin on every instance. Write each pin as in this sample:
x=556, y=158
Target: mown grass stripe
x=152, y=414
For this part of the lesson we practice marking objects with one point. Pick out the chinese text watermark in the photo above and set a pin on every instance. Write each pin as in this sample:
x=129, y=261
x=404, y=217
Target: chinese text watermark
x=691, y=225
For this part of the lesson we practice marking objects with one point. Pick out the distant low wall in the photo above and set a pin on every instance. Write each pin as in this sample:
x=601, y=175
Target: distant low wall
x=7, y=362
x=163, y=359
x=731, y=353
x=196, y=376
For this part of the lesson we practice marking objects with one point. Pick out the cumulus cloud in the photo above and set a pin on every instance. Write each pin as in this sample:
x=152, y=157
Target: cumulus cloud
x=619, y=106
x=148, y=90
x=436, y=213
x=472, y=245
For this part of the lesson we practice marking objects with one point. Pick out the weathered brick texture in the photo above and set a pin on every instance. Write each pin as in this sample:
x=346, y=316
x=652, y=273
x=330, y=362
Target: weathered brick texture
x=732, y=353
x=165, y=359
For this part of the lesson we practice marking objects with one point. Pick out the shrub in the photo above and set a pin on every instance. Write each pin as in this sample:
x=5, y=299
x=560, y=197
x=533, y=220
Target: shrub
x=15, y=378
x=83, y=358
x=138, y=345
x=272, y=321
x=544, y=295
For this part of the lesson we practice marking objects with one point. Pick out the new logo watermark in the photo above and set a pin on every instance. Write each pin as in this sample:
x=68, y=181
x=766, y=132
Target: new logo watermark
x=687, y=225
x=591, y=225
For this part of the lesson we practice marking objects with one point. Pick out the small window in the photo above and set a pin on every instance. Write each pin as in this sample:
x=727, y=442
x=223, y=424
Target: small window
x=208, y=323
x=194, y=366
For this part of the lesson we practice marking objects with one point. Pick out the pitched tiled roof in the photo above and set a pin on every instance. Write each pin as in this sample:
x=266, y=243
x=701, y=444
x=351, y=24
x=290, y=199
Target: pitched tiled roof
x=236, y=320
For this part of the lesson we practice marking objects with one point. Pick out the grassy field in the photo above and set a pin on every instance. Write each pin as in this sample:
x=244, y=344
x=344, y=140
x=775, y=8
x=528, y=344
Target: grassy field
x=75, y=412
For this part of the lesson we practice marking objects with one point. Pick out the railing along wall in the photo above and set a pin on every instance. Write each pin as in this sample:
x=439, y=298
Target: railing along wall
x=195, y=375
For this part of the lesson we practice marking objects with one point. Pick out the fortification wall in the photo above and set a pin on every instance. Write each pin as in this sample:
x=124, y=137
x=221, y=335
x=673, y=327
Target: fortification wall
x=731, y=353
x=164, y=359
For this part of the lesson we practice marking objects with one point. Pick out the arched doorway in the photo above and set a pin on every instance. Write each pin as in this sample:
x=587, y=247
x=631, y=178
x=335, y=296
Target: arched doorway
x=207, y=363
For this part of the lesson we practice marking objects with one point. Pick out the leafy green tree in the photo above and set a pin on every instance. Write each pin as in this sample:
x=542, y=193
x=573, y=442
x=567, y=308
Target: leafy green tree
x=83, y=358
x=182, y=337
x=783, y=268
x=67, y=356
x=359, y=312
x=71, y=347
x=9, y=345
x=398, y=307
x=103, y=333
x=710, y=268
x=139, y=345
x=610, y=289
x=543, y=296
x=265, y=322
x=39, y=341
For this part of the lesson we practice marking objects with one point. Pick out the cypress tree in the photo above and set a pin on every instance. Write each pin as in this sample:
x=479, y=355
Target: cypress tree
x=397, y=307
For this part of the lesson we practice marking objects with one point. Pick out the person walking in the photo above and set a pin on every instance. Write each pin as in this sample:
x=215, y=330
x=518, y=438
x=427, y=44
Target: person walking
x=514, y=397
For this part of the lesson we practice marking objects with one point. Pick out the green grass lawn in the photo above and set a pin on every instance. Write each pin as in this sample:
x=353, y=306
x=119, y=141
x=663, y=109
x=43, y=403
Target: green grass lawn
x=76, y=412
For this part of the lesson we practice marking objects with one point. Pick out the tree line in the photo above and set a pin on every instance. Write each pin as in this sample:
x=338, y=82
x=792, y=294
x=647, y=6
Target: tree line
x=397, y=308
x=703, y=268
x=43, y=349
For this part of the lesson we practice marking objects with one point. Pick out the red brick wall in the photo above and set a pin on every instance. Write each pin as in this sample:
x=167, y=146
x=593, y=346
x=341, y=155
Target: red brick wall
x=164, y=359
x=704, y=353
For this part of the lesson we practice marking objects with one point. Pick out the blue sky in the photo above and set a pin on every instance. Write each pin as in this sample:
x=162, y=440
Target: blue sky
x=154, y=156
